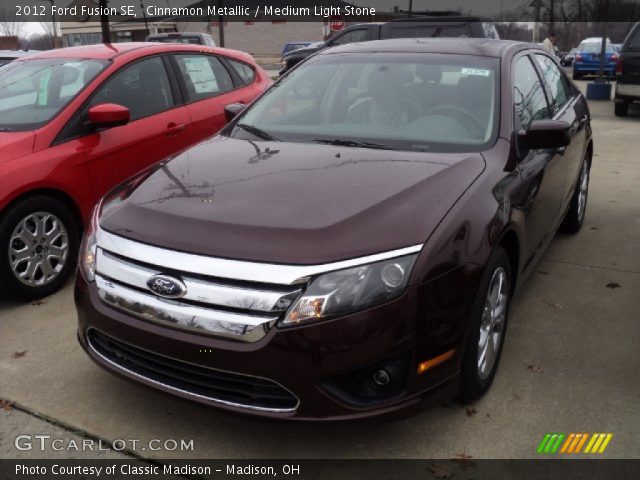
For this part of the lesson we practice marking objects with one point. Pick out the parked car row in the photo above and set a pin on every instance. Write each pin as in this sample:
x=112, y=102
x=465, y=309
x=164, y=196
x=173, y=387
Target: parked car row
x=628, y=73
x=449, y=24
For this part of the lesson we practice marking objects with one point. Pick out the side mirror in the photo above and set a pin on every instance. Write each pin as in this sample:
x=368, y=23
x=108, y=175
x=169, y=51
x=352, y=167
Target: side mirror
x=108, y=115
x=232, y=110
x=546, y=134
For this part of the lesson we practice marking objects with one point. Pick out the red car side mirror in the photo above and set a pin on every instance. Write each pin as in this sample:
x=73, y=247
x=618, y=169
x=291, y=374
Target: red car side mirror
x=108, y=115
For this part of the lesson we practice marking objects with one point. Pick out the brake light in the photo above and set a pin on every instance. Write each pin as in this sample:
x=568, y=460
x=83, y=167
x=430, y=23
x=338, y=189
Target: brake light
x=619, y=65
x=614, y=57
x=578, y=56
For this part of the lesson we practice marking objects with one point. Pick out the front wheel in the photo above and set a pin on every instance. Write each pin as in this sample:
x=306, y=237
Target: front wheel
x=574, y=218
x=38, y=247
x=487, y=327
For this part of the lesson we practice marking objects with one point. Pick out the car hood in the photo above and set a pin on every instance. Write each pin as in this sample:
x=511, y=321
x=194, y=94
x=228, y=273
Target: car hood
x=292, y=203
x=15, y=144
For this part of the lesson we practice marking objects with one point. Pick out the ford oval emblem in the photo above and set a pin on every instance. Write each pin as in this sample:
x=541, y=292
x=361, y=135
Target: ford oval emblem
x=166, y=286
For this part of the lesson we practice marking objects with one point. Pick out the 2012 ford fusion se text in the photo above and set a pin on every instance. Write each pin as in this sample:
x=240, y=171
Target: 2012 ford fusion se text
x=348, y=244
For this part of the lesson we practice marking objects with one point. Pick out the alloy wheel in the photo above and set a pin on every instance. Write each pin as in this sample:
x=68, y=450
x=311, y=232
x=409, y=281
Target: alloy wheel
x=38, y=249
x=493, y=321
x=583, y=190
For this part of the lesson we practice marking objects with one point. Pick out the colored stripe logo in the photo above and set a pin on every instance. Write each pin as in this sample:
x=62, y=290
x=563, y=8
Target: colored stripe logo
x=574, y=443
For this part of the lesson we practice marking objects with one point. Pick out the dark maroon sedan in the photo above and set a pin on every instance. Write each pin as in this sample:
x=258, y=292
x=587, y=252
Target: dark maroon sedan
x=348, y=245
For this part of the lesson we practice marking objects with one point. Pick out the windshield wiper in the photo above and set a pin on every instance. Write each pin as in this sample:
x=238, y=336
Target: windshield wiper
x=353, y=143
x=253, y=130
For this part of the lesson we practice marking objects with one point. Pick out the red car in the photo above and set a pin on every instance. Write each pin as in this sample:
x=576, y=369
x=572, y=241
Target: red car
x=75, y=122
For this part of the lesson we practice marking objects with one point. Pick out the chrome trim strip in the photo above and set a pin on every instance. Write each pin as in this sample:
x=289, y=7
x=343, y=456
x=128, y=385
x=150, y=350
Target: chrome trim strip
x=191, y=394
x=233, y=269
x=249, y=328
x=197, y=290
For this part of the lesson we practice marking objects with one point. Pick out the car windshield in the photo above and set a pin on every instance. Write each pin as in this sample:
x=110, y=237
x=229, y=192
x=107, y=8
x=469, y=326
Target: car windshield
x=413, y=101
x=32, y=92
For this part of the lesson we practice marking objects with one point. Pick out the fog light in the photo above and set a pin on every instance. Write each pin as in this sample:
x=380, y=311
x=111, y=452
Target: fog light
x=381, y=377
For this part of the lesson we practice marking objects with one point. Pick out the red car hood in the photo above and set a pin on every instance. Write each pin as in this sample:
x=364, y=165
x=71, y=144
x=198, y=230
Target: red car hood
x=292, y=203
x=15, y=144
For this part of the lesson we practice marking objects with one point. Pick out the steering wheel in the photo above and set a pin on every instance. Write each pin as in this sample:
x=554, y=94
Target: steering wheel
x=457, y=110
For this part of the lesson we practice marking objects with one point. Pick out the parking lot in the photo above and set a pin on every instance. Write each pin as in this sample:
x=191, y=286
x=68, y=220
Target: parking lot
x=570, y=362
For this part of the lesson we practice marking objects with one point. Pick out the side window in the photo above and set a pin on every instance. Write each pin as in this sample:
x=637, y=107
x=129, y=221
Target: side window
x=143, y=88
x=528, y=95
x=555, y=80
x=204, y=75
x=354, y=36
x=633, y=43
x=246, y=73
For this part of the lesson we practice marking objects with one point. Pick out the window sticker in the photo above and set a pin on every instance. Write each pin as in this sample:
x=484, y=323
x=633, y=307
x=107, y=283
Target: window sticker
x=43, y=88
x=201, y=74
x=478, y=72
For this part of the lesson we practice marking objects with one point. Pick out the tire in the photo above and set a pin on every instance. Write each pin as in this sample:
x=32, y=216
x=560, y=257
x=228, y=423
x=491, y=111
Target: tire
x=576, y=75
x=621, y=109
x=48, y=259
x=476, y=375
x=574, y=217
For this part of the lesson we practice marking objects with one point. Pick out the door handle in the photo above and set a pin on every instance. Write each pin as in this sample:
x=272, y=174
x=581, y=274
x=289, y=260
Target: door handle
x=174, y=129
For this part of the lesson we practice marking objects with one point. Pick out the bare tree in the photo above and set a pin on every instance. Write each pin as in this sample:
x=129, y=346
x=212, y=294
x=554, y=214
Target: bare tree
x=8, y=25
x=49, y=34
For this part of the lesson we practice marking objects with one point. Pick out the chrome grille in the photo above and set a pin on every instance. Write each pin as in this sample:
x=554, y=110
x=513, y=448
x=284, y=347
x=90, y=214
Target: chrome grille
x=222, y=307
x=230, y=298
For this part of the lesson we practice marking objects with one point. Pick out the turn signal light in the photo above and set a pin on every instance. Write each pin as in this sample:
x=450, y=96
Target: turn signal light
x=435, y=361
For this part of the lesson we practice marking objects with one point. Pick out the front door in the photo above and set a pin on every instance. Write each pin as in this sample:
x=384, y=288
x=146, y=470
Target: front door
x=543, y=171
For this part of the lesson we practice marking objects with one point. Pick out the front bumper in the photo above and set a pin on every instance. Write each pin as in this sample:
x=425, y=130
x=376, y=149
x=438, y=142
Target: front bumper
x=306, y=360
x=594, y=68
x=627, y=91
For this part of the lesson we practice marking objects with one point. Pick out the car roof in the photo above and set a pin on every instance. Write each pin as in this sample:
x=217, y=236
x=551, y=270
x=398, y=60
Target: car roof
x=103, y=51
x=461, y=46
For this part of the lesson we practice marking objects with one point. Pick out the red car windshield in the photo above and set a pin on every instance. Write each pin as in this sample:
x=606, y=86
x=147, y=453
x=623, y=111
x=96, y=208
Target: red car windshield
x=32, y=92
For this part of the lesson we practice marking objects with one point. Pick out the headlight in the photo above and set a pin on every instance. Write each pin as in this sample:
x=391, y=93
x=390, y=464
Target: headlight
x=88, y=248
x=347, y=291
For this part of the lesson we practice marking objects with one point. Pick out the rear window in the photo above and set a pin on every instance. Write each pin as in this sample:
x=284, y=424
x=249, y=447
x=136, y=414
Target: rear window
x=192, y=40
x=596, y=48
x=246, y=73
x=429, y=31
